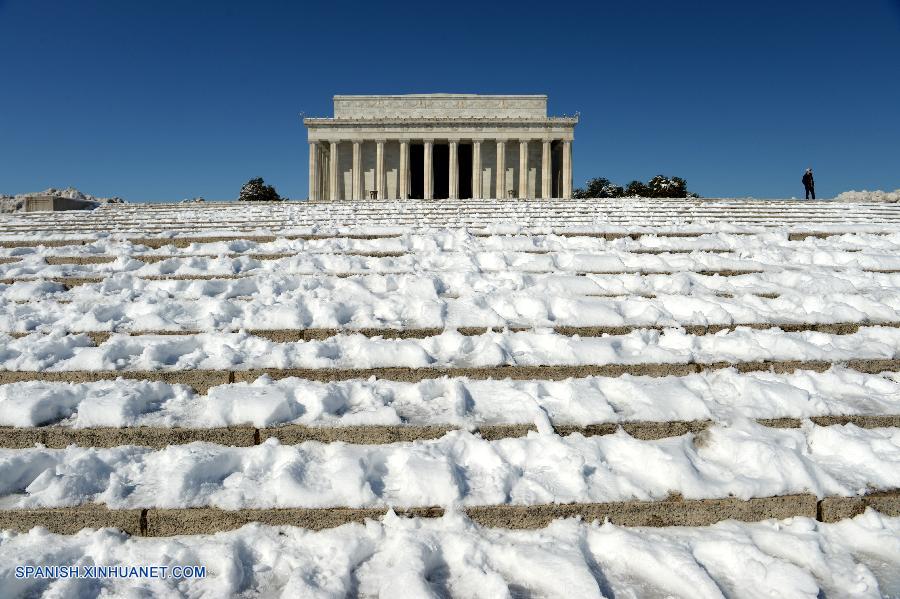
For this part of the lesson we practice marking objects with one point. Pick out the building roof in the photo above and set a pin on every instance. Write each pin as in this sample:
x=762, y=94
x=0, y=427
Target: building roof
x=440, y=106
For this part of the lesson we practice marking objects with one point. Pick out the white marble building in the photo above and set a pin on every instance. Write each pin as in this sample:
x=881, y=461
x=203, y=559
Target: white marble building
x=436, y=146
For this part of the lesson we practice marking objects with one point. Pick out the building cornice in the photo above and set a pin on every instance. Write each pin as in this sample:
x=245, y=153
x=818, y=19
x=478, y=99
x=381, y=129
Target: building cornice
x=431, y=122
x=440, y=96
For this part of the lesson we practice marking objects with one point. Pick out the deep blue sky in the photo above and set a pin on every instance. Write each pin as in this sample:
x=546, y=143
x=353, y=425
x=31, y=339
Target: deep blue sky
x=165, y=100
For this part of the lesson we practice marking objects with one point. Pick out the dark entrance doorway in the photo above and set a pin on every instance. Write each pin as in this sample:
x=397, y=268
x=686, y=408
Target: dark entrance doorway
x=440, y=165
x=440, y=168
x=465, y=171
x=416, y=171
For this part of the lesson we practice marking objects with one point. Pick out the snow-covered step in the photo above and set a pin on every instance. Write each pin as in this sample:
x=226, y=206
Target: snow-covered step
x=611, y=262
x=424, y=313
x=71, y=279
x=57, y=239
x=81, y=259
x=742, y=460
x=783, y=254
x=453, y=556
x=274, y=286
x=527, y=261
x=324, y=334
x=239, y=352
x=599, y=402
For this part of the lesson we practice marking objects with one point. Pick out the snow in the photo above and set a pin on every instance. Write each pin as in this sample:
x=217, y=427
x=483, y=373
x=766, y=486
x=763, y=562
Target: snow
x=500, y=265
x=420, y=306
x=488, y=216
x=16, y=203
x=720, y=395
x=240, y=351
x=409, y=263
x=442, y=239
x=741, y=459
x=451, y=556
x=796, y=286
x=869, y=196
x=606, y=261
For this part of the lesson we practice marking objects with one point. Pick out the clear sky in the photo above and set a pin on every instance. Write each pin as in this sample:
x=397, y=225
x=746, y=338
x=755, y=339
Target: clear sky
x=165, y=100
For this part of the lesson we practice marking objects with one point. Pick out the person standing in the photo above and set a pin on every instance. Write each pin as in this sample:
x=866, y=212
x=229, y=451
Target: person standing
x=809, y=184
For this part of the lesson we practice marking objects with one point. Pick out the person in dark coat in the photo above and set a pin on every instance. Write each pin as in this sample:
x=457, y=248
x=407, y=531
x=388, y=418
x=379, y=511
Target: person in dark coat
x=809, y=184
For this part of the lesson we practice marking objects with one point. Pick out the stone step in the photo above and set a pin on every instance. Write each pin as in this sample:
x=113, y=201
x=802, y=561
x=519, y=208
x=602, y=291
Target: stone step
x=60, y=437
x=202, y=380
x=674, y=511
x=320, y=334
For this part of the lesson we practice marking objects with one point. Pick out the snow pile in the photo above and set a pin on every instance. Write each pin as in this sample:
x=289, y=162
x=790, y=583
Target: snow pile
x=16, y=203
x=743, y=460
x=452, y=556
x=105, y=403
x=869, y=196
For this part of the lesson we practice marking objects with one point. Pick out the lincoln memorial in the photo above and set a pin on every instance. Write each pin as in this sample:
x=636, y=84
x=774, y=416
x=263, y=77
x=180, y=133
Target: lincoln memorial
x=437, y=146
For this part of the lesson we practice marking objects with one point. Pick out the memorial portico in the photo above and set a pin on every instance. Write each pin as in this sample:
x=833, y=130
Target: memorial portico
x=436, y=146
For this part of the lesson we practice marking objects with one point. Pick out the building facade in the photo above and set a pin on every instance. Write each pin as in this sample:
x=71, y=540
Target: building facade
x=436, y=146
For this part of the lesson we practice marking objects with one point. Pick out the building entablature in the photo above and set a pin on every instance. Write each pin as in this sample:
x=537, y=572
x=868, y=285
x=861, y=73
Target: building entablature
x=459, y=129
x=569, y=121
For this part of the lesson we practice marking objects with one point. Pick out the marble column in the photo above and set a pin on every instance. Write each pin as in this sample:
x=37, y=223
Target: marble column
x=523, y=169
x=379, y=169
x=567, y=170
x=428, y=172
x=403, y=175
x=356, y=175
x=546, y=187
x=476, y=169
x=501, y=169
x=454, y=170
x=333, y=173
x=313, y=171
